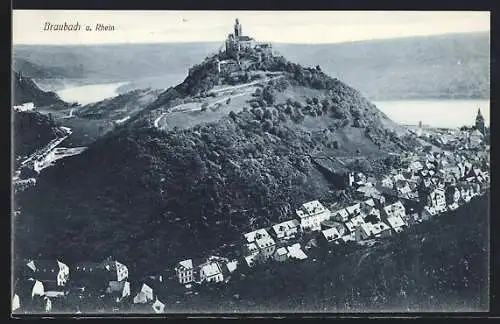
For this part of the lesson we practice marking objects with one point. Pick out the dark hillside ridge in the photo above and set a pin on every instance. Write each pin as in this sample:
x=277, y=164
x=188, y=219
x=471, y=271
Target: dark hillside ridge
x=188, y=190
x=32, y=131
x=25, y=90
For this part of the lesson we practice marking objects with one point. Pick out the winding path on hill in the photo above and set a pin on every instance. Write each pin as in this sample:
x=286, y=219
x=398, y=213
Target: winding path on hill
x=157, y=121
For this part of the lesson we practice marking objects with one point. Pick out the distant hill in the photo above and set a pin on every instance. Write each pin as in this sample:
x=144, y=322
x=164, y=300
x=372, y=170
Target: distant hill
x=108, y=63
x=25, y=90
x=447, y=66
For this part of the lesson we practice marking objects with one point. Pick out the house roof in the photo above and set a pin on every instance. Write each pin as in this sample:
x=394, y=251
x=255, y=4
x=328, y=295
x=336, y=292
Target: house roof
x=232, y=265
x=369, y=202
x=211, y=269
x=187, y=264
x=252, y=247
x=343, y=213
x=354, y=208
x=395, y=222
x=250, y=259
x=331, y=234
x=264, y=242
x=251, y=237
x=354, y=222
x=376, y=228
x=399, y=176
x=313, y=207
x=294, y=251
x=282, y=227
x=282, y=251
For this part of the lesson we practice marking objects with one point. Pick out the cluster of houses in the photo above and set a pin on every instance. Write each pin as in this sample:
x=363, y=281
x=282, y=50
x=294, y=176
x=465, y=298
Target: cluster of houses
x=51, y=285
x=431, y=185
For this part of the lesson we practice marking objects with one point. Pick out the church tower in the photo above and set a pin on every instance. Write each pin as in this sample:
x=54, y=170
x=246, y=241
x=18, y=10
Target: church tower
x=237, y=29
x=480, y=121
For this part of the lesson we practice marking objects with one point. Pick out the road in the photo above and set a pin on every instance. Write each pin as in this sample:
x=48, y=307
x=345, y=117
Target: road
x=156, y=122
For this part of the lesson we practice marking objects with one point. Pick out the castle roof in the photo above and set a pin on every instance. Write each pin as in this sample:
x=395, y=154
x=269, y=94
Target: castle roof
x=479, y=115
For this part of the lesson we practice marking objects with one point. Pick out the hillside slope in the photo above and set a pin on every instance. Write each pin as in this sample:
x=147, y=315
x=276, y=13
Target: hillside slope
x=147, y=196
x=32, y=131
x=25, y=90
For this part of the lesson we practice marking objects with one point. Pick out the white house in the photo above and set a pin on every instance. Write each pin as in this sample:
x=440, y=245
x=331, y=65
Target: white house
x=266, y=245
x=16, y=304
x=368, y=230
x=387, y=182
x=402, y=187
x=396, y=209
x=437, y=199
x=354, y=223
x=251, y=260
x=28, y=106
x=38, y=289
x=119, y=289
x=354, y=210
x=311, y=214
x=117, y=268
x=286, y=230
x=415, y=166
x=232, y=266
x=281, y=254
x=295, y=252
x=331, y=235
x=184, y=271
x=144, y=295
x=341, y=215
x=368, y=209
x=211, y=272
x=158, y=306
x=250, y=237
x=397, y=223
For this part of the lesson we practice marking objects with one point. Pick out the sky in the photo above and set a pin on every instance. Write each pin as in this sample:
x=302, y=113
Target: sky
x=214, y=26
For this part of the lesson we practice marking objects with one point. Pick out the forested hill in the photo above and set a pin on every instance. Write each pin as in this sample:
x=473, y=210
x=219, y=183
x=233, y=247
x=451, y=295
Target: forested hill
x=187, y=190
x=25, y=90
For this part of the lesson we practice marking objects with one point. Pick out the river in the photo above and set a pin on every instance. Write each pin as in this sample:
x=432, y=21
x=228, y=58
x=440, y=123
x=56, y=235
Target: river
x=448, y=113
x=90, y=93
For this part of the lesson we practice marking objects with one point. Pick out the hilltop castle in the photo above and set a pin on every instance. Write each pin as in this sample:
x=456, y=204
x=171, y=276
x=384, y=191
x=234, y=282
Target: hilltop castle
x=237, y=43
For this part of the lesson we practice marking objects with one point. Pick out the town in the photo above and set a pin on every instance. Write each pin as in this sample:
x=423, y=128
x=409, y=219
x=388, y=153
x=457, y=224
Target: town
x=449, y=172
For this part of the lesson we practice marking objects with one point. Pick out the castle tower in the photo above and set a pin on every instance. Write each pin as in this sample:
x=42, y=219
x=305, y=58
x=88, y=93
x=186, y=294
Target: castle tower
x=237, y=29
x=480, y=121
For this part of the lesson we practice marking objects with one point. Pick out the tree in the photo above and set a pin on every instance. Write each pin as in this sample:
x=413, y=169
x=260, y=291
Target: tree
x=204, y=107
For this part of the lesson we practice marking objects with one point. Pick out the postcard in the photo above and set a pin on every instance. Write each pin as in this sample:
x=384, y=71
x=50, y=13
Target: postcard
x=236, y=162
